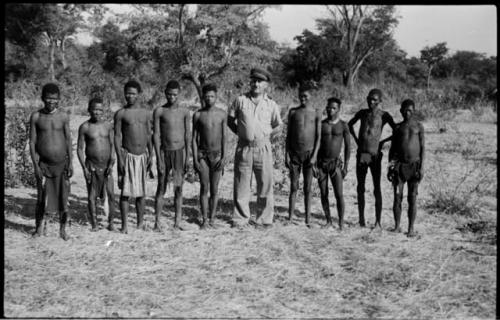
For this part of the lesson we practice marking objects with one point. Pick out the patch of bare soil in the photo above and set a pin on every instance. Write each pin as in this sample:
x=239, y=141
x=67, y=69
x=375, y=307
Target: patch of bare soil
x=289, y=271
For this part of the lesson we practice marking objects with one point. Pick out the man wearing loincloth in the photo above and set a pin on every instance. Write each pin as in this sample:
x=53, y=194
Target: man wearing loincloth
x=171, y=143
x=302, y=145
x=369, y=154
x=406, y=163
x=50, y=149
x=209, y=151
x=96, y=154
x=333, y=132
x=134, y=152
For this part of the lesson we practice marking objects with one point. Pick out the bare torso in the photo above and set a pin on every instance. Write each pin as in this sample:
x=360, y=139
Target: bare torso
x=209, y=126
x=370, y=130
x=97, y=142
x=332, y=136
x=51, y=145
x=407, y=141
x=302, y=129
x=172, y=127
x=135, y=130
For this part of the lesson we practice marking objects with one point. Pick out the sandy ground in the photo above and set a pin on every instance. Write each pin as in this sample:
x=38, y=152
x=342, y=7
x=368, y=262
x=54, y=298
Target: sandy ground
x=289, y=271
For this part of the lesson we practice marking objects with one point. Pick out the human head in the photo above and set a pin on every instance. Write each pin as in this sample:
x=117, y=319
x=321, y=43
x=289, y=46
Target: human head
x=333, y=107
x=96, y=109
x=259, y=80
x=209, y=92
x=50, y=96
x=132, y=90
x=304, y=94
x=407, y=109
x=172, y=91
x=374, y=98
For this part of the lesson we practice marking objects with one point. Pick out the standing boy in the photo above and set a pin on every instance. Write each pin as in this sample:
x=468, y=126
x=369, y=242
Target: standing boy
x=406, y=157
x=95, y=138
x=134, y=151
x=333, y=132
x=50, y=149
x=171, y=141
x=302, y=145
x=209, y=137
x=369, y=154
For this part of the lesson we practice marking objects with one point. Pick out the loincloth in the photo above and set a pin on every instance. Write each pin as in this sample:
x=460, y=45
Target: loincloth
x=402, y=172
x=174, y=160
x=365, y=159
x=56, y=186
x=328, y=167
x=299, y=160
x=133, y=181
x=98, y=178
x=211, y=158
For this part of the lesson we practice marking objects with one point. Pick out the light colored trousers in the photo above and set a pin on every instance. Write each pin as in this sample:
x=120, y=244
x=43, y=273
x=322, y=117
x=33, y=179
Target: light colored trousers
x=256, y=159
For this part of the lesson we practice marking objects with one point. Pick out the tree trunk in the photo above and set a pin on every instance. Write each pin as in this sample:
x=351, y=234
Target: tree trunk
x=52, y=49
x=429, y=77
x=63, y=53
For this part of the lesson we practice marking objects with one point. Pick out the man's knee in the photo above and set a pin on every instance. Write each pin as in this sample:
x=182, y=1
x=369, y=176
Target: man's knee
x=204, y=186
x=294, y=184
x=398, y=198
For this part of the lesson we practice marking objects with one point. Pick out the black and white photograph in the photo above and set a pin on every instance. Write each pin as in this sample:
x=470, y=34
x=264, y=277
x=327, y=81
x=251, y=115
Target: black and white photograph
x=250, y=161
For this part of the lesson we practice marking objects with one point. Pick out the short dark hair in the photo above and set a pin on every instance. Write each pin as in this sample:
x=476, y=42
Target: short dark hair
x=407, y=103
x=172, y=84
x=375, y=91
x=209, y=87
x=50, y=88
x=133, y=84
x=94, y=101
x=333, y=100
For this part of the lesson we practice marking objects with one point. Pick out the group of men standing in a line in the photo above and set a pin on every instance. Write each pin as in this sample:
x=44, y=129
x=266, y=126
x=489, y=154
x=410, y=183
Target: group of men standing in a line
x=313, y=146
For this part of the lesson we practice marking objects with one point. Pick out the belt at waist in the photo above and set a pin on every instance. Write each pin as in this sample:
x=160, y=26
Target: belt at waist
x=254, y=143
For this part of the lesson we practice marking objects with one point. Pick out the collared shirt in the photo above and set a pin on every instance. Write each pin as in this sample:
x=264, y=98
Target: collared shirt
x=255, y=121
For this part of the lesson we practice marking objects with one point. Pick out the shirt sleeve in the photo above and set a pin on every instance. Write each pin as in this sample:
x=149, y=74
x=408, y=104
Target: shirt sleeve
x=231, y=112
x=276, y=116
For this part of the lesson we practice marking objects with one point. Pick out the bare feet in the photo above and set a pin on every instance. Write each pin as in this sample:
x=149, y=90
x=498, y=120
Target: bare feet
x=396, y=229
x=94, y=229
x=328, y=225
x=412, y=234
x=64, y=235
x=124, y=230
x=111, y=227
x=158, y=228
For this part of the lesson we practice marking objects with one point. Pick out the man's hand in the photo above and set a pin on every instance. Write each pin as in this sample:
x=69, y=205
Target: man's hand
x=108, y=170
x=86, y=173
x=38, y=173
x=70, y=170
x=287, y=160
x=344, y=172
x=196, y=164
x=312, y=160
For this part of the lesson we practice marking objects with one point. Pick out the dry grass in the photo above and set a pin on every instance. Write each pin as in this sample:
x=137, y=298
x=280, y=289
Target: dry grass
x=290, y=271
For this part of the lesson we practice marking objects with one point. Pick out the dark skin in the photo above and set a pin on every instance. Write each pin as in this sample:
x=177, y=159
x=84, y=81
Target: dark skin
x=372, y=121
x=333, y=132
x=303, y=134
x=96, y=143
x=50, y=142
x=132, y=135
x=408, y=145
x=171, y=132
x=209, y=134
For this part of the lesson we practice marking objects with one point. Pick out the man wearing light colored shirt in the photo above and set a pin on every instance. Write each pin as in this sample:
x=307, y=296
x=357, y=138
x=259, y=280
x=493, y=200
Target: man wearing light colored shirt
x=254, y=117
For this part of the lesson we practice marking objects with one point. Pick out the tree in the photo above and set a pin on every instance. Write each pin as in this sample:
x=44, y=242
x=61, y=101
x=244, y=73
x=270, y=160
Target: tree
x=360, y=31
x=432, y=56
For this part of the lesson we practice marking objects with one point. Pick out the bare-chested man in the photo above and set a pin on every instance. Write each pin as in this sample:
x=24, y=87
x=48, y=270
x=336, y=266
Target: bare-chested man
x=333, y=132
x=50, y=149
x=209, y=152
x=302, y=145
x=97, y=156
x=369, y=154
x=134, y=152
x=406, y=158
x=171, y=141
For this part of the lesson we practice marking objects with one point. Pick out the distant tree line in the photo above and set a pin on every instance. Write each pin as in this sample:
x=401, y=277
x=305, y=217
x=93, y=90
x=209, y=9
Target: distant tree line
x=220, y=43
